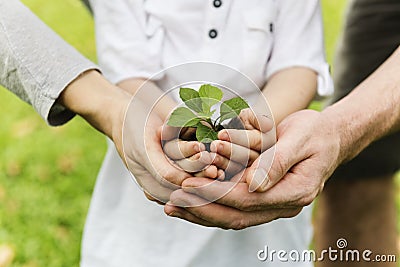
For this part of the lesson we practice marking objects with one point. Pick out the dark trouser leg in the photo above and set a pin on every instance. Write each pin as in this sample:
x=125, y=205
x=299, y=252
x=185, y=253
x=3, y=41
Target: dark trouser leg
x=358, y=202
x=364, y=213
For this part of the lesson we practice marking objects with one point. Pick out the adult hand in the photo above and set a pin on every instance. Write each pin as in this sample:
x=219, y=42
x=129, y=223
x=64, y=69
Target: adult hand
x=306, y=154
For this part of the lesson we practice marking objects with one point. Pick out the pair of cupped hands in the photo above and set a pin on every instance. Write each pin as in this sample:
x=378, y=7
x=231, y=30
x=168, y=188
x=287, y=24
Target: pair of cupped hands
x=238, y=147
x=245, y=179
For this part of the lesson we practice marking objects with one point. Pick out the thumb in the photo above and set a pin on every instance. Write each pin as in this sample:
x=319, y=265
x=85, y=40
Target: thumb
x=257, y=177
x=256, y=121
x=273, y=164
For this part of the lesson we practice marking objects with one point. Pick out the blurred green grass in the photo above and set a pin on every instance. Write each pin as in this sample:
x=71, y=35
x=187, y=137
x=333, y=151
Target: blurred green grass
x=47, y=174
x=333, y=12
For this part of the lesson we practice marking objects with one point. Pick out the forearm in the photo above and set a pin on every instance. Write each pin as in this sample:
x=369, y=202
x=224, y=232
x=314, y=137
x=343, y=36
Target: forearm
x=99, y=102
x=370, y=112
x=35, y=63
x=290, y=90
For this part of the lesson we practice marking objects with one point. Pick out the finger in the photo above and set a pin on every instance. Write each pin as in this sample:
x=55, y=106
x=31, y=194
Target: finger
x=286, y=194
x=286, y=153
x=234, y=152
x=257, y=177
x=179, y=149
x=229, y=166
x=151, y=198
x=180, y=199
x=181, y=213
x=236, y=123
x=224, y=216
x=166, y=173
x=168, y=132
x=219, y=192
x=195, y=163
x=160, y=167
x=253, y=139
x=221, y=175
x=209, y=172
x=256, y=121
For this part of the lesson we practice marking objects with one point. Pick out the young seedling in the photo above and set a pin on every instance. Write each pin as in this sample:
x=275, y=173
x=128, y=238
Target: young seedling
x=199, y=111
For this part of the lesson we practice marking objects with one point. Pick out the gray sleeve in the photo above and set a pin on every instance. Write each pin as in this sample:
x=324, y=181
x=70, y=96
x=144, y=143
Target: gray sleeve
x=35, y=63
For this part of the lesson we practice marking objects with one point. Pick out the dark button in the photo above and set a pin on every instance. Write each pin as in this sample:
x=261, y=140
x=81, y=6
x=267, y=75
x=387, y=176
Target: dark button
x=217, y=3
x=213, y=34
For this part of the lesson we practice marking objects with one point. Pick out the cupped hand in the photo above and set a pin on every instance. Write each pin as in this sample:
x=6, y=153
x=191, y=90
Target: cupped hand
x=306, y=154
x=144, y=154
x=141, y=134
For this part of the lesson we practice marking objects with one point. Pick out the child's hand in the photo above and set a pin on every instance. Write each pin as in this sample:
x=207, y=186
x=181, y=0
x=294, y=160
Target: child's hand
x=191, y=156
x=238, y=149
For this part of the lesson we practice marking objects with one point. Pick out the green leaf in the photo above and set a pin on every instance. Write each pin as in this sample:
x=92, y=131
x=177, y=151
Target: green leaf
x=188, y=93
x=232, y=107
x=208, y=114
x=205, y=134
x=183, y=117
x=210, y=95
x=191, y=98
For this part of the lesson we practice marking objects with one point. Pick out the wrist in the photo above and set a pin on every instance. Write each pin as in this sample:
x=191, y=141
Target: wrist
x=339, y=132
x=351, y=128
x=99, y=102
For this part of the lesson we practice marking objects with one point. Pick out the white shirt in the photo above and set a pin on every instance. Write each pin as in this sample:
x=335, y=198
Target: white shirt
x=137, y=38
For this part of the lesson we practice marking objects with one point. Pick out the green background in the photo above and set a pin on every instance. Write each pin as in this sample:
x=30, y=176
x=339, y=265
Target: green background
x=47, y=174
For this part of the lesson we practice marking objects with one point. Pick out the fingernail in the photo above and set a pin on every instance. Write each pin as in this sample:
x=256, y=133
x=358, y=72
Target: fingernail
x=264, y=185
x=199, y=147
x=213, y=147
x=266, y=125
x=220, y=147
x=223, y=135
x=196, y=147
x=202, y=147
x=260, y=178
x=221, y=175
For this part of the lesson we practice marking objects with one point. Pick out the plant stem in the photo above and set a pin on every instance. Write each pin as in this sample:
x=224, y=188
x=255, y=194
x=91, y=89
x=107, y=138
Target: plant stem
x=217, y=119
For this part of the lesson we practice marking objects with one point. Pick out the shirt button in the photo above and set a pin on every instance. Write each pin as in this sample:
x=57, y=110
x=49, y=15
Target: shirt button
x=213, y=34
x=217, y=3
